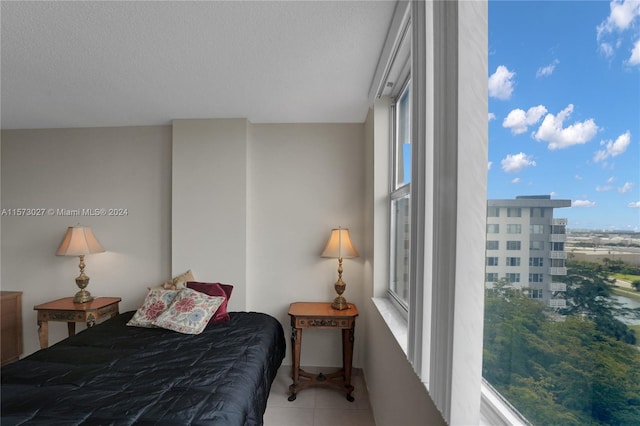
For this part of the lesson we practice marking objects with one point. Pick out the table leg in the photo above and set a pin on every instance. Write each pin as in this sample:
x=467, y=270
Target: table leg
x=43, y=333
x=296, y=345
x=347, y=359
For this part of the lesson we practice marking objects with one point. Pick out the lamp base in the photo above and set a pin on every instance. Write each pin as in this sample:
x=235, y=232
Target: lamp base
x=340, y=303
x=82, y=281
x=83, y=296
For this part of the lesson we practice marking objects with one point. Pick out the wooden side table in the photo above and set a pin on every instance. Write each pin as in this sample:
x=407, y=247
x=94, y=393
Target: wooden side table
x=11, y=334
x=71, y=313
x=323, y=316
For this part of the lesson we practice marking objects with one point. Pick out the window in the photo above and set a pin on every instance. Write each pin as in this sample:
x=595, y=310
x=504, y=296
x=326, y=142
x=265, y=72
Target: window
x=558, y=229
x=557, y=246
x=557, y=263
x=493, y=245
x=493, y=228
x=514, y=212
x=536, y=229
x=535, y=293
x=491, y=277
x=536, y=245
x=536, y=278
x=400, y=197
x=513, y=245
x=514, y=228
x=513, y=277
x=537, y=212
x=443, y=197
x=536, y=261
x=493, y=211
x=513, y=261
x=492, y=261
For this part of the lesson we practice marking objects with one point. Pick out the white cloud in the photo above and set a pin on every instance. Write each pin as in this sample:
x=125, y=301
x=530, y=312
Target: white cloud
x=583, y=203
x=517, y=162
x=603, y=188
x=613, y=148
x=607, y=50
x=622, y=16
x=501, y=83
x=634, y=59
x=492, y=116
x=611, y=179
x=548, y=70
x=519, y=121
x=578, y=177
x=634, y=205
x=628, y=186
x=489, y=165
x=515, y=180
x=559, y=137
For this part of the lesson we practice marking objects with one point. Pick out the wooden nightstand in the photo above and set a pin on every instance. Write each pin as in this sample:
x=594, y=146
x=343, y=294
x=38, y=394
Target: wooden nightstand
x=11, y=335
x=71, y=313
x=323, y=316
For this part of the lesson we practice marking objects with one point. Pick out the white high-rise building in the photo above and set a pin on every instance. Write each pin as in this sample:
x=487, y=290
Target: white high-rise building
x=525, y=245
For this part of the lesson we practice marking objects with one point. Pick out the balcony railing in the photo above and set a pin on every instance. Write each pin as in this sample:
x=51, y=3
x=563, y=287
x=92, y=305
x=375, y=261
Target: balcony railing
x=558, y=271
x=558, y=287
x=557, y=303
x=558, y=238
x=558, y=255
x=559, y=222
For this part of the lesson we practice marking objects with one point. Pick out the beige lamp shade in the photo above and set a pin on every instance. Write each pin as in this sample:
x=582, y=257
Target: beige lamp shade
x=78, y=241
x=339, y=245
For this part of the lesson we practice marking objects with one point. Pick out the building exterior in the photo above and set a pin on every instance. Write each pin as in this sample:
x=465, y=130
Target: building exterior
x=526, y=245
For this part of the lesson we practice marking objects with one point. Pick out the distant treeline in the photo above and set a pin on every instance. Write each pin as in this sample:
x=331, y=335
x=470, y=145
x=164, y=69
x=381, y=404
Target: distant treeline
x=591, y=244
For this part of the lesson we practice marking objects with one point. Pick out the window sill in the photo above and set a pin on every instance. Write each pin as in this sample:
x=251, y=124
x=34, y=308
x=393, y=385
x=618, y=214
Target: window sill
x=494, y=409
x=395, y=321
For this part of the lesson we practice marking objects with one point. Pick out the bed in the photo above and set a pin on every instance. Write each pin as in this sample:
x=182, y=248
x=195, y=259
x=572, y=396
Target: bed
x=114, y=374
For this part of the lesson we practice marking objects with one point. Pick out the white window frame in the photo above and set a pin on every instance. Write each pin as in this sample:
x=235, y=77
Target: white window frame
x=398, y=190
x=448, y=203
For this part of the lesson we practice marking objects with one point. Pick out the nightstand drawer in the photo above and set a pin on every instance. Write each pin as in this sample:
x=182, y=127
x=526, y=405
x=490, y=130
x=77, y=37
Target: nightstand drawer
x=61, y=316
x=323, y=322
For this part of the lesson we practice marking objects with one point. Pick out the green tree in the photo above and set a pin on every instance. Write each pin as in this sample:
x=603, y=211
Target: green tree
x=561, y=370
x=589, y=293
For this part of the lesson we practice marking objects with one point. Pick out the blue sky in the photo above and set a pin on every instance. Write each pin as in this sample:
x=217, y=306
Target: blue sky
x=564, y=107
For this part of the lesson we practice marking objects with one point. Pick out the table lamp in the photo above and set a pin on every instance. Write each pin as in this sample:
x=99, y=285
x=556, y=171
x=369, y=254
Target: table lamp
x=338, y=247
x=80, y=241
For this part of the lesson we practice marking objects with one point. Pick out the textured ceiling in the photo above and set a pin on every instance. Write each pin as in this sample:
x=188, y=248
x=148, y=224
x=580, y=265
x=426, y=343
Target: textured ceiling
x=93, y=64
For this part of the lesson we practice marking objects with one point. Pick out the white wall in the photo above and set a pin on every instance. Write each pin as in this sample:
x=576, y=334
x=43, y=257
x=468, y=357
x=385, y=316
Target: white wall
x=304, y=180
x=209, y=198
x=85, y=168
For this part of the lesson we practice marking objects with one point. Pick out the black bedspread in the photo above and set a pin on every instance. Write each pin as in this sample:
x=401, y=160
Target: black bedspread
x=112, y=374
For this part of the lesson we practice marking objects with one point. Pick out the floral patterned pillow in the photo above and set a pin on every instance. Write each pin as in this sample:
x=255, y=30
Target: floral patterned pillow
x=156, y=302
x=190, y=312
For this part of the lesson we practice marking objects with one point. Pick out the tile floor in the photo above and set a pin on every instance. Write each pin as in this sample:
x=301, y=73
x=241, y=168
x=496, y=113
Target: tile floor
x=317, y=406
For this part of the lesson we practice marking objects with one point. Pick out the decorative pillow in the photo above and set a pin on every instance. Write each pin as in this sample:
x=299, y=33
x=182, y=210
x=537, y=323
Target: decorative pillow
x=156, y=302
x=190, y=312
x=215, y=289
x=176, y=283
